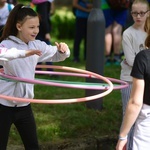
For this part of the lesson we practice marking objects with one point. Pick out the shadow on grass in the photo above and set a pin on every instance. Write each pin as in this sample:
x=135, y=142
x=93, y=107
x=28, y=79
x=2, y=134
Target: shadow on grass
x=96, y=143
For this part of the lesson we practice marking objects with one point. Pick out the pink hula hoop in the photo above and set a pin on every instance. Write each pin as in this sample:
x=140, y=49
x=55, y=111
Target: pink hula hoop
x=60, y=101
x=122, y=85
x=52, y=83
x=70, y=85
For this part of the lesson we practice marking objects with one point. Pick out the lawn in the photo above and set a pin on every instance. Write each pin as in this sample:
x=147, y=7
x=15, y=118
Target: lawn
x=57, y=123
x=60, y=122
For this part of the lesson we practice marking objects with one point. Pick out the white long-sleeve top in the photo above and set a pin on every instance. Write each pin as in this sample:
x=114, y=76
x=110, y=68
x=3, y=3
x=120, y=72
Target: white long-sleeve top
x=25, y=68
x=132, y=43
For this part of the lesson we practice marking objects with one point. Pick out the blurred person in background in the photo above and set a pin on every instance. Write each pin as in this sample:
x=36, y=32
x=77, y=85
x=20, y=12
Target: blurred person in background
x=5, y=9
x=114, y=22
x=45, y=9
x=82, y=10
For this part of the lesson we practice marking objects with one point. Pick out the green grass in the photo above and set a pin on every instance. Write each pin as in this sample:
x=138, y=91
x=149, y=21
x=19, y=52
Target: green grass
x=56, y=122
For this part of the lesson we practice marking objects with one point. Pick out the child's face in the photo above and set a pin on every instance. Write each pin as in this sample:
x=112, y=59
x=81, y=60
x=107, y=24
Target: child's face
x=139, y=13
x=28, y=30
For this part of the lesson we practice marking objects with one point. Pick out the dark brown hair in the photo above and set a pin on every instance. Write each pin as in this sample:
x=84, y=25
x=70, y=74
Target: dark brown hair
x=18, y=14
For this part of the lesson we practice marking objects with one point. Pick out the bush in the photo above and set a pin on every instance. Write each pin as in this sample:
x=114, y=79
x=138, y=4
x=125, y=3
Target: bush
x=63, y=24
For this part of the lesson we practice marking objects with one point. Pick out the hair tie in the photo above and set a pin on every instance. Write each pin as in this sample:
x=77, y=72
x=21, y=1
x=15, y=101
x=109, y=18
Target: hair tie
x=23, y=7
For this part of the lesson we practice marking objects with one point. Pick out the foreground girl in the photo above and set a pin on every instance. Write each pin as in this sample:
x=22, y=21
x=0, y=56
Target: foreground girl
x=20, y=32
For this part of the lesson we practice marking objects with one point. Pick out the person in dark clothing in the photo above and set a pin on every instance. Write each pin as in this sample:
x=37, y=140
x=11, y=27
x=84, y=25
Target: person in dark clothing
x=44, y=10
x=82, y=10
